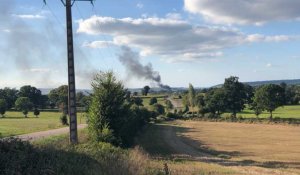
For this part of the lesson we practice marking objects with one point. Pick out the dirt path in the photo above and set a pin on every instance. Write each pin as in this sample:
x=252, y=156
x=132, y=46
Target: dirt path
x=43, y=134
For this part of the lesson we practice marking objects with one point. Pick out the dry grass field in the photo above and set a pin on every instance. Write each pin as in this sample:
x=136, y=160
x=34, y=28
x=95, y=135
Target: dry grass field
x=225, y=148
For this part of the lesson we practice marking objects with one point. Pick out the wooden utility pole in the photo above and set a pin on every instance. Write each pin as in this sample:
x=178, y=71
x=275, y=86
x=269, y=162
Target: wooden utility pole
x=71, y=71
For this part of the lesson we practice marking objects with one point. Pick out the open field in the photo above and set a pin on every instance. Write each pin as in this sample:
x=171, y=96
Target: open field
x=14, y=123
x=160, y=99
x=292, y=111
x=229, y=148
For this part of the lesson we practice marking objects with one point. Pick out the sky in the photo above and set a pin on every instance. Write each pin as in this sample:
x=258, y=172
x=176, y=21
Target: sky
x=150, y=42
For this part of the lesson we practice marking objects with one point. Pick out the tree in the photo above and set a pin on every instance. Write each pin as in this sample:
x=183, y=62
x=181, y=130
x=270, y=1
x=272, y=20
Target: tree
x=79, y=98
x=3, y=107
x=235, y=95
x=36, y=112
x=169, y=104
x=32, y=93
x=215, y=101
x=59, y=97
x=9, y=95
x=200, y=103
x=153, y=100
x=191, y=96
x=146, y=90
x=107, y=107
x=138, y=101
x=256, y=108
x=158, y=108
x=23, y=104
x=269, y=97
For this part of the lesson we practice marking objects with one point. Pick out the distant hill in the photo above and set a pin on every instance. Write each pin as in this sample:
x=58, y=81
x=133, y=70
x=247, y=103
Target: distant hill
x=259, y=83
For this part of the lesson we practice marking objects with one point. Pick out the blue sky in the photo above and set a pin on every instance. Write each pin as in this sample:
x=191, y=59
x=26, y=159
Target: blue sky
x=186, y=41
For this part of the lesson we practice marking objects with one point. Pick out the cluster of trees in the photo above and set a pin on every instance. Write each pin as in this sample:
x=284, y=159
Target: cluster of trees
x=233, y=97
x=30, y=98
x=114, y=115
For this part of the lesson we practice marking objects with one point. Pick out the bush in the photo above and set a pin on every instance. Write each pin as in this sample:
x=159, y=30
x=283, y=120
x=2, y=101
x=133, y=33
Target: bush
x=111, y=119
x=36, y=112
x=172, y=115
x=159, y=109
x=153, y=100
x=64, y=119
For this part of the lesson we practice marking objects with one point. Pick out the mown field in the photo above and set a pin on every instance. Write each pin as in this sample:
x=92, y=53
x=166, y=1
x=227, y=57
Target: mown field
x=195, y=147
x=160, y=99
x=292, y=111
x=14, y=123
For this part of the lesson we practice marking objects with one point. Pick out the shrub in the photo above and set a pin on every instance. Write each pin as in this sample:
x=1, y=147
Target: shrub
x=172, y=115
x=153, y=100
x=36, y=112
x=160, y=109
x=64, y=119
x=3, y=107
x=23, y=104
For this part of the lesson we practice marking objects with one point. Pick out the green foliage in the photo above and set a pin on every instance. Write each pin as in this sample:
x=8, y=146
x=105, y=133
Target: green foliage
x=169, y=104
x=32, y=93
x=191, y=95
x=19, y=157
x=158, y=108
x=10, y=96
x=145, y=90
x=64, y=119
x=137, y=101
x=215, y=101
x=3, y=107
x=23, y=104
x=59, y=96
x=36, y=112
x=235, y=95
x=269, y=97
x=153, y=100
x=80, y=99
x=110, y=117
x=200, y=103
x=258, y=109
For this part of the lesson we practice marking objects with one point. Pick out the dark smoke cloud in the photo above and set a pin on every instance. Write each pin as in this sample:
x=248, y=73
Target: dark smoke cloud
x=130, y=60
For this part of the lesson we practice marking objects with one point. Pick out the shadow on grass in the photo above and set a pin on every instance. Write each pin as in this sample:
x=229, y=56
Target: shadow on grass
x=165, y=141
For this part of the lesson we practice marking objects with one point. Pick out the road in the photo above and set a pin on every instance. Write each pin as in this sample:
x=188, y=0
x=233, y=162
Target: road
x=43, y=134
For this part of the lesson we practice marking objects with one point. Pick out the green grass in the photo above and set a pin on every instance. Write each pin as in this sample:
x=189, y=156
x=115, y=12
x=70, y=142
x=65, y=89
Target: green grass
x=14, y=123
x=292, y=111
x=160, y=99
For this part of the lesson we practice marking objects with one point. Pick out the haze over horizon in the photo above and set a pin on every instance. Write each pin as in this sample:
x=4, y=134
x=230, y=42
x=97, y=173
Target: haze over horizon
x=184, y=41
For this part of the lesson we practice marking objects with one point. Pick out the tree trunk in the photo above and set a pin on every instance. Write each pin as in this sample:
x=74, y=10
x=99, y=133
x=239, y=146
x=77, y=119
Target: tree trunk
x=271, y=116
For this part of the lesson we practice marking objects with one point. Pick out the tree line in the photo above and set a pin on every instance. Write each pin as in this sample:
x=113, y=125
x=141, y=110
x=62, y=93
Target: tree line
x=30, y=98
x=234, y=96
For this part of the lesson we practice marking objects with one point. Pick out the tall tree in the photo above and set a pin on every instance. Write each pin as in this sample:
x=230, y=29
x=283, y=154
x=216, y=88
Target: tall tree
x=146, y=90
x=107, y=107
x=10, y=96
x=191, y=96
x=215, y=101
x=269, y=97
x=23, y=104
x=3, y=107
x=235, y=95
x=32, y=93
x=200, y=103
x=59, y=97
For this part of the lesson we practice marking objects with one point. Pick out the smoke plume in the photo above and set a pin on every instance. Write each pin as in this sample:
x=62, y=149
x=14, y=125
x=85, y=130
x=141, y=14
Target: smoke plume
x=130, y=60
